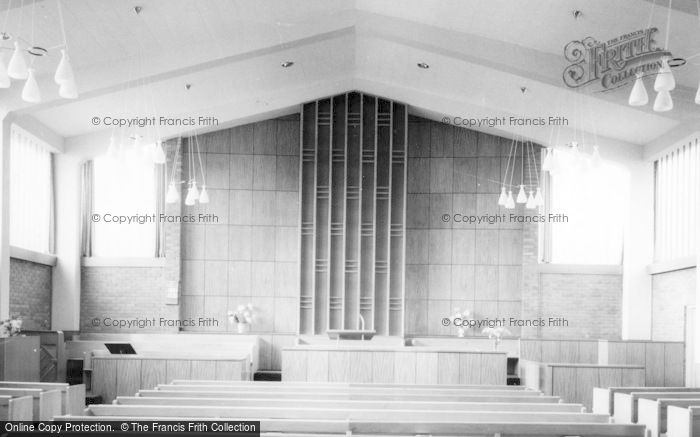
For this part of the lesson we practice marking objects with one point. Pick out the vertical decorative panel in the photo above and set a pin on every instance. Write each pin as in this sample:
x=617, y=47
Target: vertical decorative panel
x=353, y=201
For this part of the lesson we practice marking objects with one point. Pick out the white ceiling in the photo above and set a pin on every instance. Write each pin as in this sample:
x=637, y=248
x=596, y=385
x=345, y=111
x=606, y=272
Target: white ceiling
x=480, y=53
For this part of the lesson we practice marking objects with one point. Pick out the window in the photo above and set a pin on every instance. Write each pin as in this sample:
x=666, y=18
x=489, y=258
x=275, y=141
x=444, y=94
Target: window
x=31, y=189
x=594, y=199
x=123, y=205
x=677, y=176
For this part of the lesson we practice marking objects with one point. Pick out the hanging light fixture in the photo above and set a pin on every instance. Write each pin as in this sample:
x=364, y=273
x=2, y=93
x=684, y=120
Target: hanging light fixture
x=5, y=81
x=531, y=203
x=192, y=194
x=664, y=78
x=638, y=96
x=510, y=203
x=503, y=197
x=663, y=101
x=173, y=196
x=159, y=153
x=68, y=90
x=30, y=92
x=17, y=68
x=64, y=71
x=522, y=197
x=697, y=96
x=203, y=195
x=547, y=162
x=539, y=199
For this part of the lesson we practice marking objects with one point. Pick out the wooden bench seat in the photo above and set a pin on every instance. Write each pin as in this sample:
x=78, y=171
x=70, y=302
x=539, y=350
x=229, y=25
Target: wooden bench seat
x=257, y=413
x=72, y=396
x=213, y=392
x=413, y=428
x=16, y=408
x=335, y=385
x=653, y=412
x=349, y=405
x=683, y=422
x=45, y=403
x=603, y=398
x=626, y=403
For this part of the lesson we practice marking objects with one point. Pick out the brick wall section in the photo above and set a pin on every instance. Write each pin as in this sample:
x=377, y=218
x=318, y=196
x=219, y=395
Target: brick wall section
x=671, y=293
x=30, y=293
x=451, y=171
x=134, y=292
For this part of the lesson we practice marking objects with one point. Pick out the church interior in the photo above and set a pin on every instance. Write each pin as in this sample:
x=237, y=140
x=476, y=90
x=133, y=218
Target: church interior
x=369, y=217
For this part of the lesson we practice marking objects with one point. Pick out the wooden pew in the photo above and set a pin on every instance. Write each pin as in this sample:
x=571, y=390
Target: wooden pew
x=653, y=413
x=256, y=413
x=683, y=422
x=16, y=408
x=352, y=390
x=211, y=392
x=45, y=403
x=626, y=403
x=603, y=398
x=336, y=385
x=316, y=428
x=350, y=405
x=72, y=396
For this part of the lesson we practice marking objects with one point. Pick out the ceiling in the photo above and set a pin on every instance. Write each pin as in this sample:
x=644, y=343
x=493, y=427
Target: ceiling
x=480, y=52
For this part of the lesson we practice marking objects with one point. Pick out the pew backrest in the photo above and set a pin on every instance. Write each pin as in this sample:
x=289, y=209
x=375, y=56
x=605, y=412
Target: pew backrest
x=210, y=392
x=653, y=413
x=603, y=398
x=72, y=396
x=683, y=422
x=16, y=408
x=350, y=405
x=336, y=385
x=45, y=403
x=626, y=403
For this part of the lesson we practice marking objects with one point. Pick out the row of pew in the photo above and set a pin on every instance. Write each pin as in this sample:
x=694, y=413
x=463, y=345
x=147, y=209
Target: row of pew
x=314, y=409
x=669, y=411
x=27, y=401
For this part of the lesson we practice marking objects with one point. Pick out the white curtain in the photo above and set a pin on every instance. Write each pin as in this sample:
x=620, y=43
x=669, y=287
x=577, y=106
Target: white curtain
x=31, y=188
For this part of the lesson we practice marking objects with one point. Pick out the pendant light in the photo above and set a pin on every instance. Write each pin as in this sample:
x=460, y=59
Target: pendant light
x=663, y=101
x=547, y=162
x=4, y=77
x=697, y=96
x=522, y=197
x=638, y=96
x=531, y=203
x=192, y=194
x=172, y=195
x=159, y=153
x=17, y=68
x=503, y=197
x=64, y=71
x=664, y=78
x=539, y=199
x=68, y=90
x=30, y=92
x=510, y=203
x=203, y=195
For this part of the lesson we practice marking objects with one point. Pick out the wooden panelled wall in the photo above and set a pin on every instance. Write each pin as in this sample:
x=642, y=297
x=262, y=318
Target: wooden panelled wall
x=353, y=203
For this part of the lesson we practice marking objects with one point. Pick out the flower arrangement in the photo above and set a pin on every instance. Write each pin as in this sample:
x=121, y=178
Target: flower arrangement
x=244, y=316
x=461, y=316
x=10, y=327
x=496, y=334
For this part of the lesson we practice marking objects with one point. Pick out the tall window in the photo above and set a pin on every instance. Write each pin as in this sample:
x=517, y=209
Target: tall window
x=677, y=176
x=31, y=197
x=123, y=202
x=594, y=199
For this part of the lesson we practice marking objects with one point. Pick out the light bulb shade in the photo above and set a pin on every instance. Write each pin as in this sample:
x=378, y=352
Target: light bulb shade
x=539, y=198
x=522, y=197
x=638, y=96
x=531, y=203
x=697, y=96
x=191, y=196
x=503, y=197
x=17, y=68
x=510, y=203
x=203, y=195
x=547, y=162
x=64, y=71
x=172, y=196
x=664, y=77
x=663, y=101
x=4, y=77
x=30, y=92
x=159, y=153
x=68, y=90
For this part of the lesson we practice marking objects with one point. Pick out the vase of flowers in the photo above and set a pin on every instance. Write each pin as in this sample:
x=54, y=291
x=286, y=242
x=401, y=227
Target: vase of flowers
x=243, y=317
x=496, y=334
x=10, y=327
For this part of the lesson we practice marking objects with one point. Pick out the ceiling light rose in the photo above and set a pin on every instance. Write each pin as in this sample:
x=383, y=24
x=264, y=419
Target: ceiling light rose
x=664, y=78
x=638, y=96
x=64, y=71
x=4, y=77
x=663, y=101
x=17, y=68
x=522, y=197
x=31, y=92
x=503, y=197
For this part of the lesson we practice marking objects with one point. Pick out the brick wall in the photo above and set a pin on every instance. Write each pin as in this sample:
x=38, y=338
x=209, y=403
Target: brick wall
x=30, y=293
x=671, y=293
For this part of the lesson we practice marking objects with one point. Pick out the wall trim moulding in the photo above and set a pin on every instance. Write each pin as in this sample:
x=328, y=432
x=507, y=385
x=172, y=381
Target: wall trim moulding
x=122, y=262
x=33, y=256
x=687, y=262
x=580, y=269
